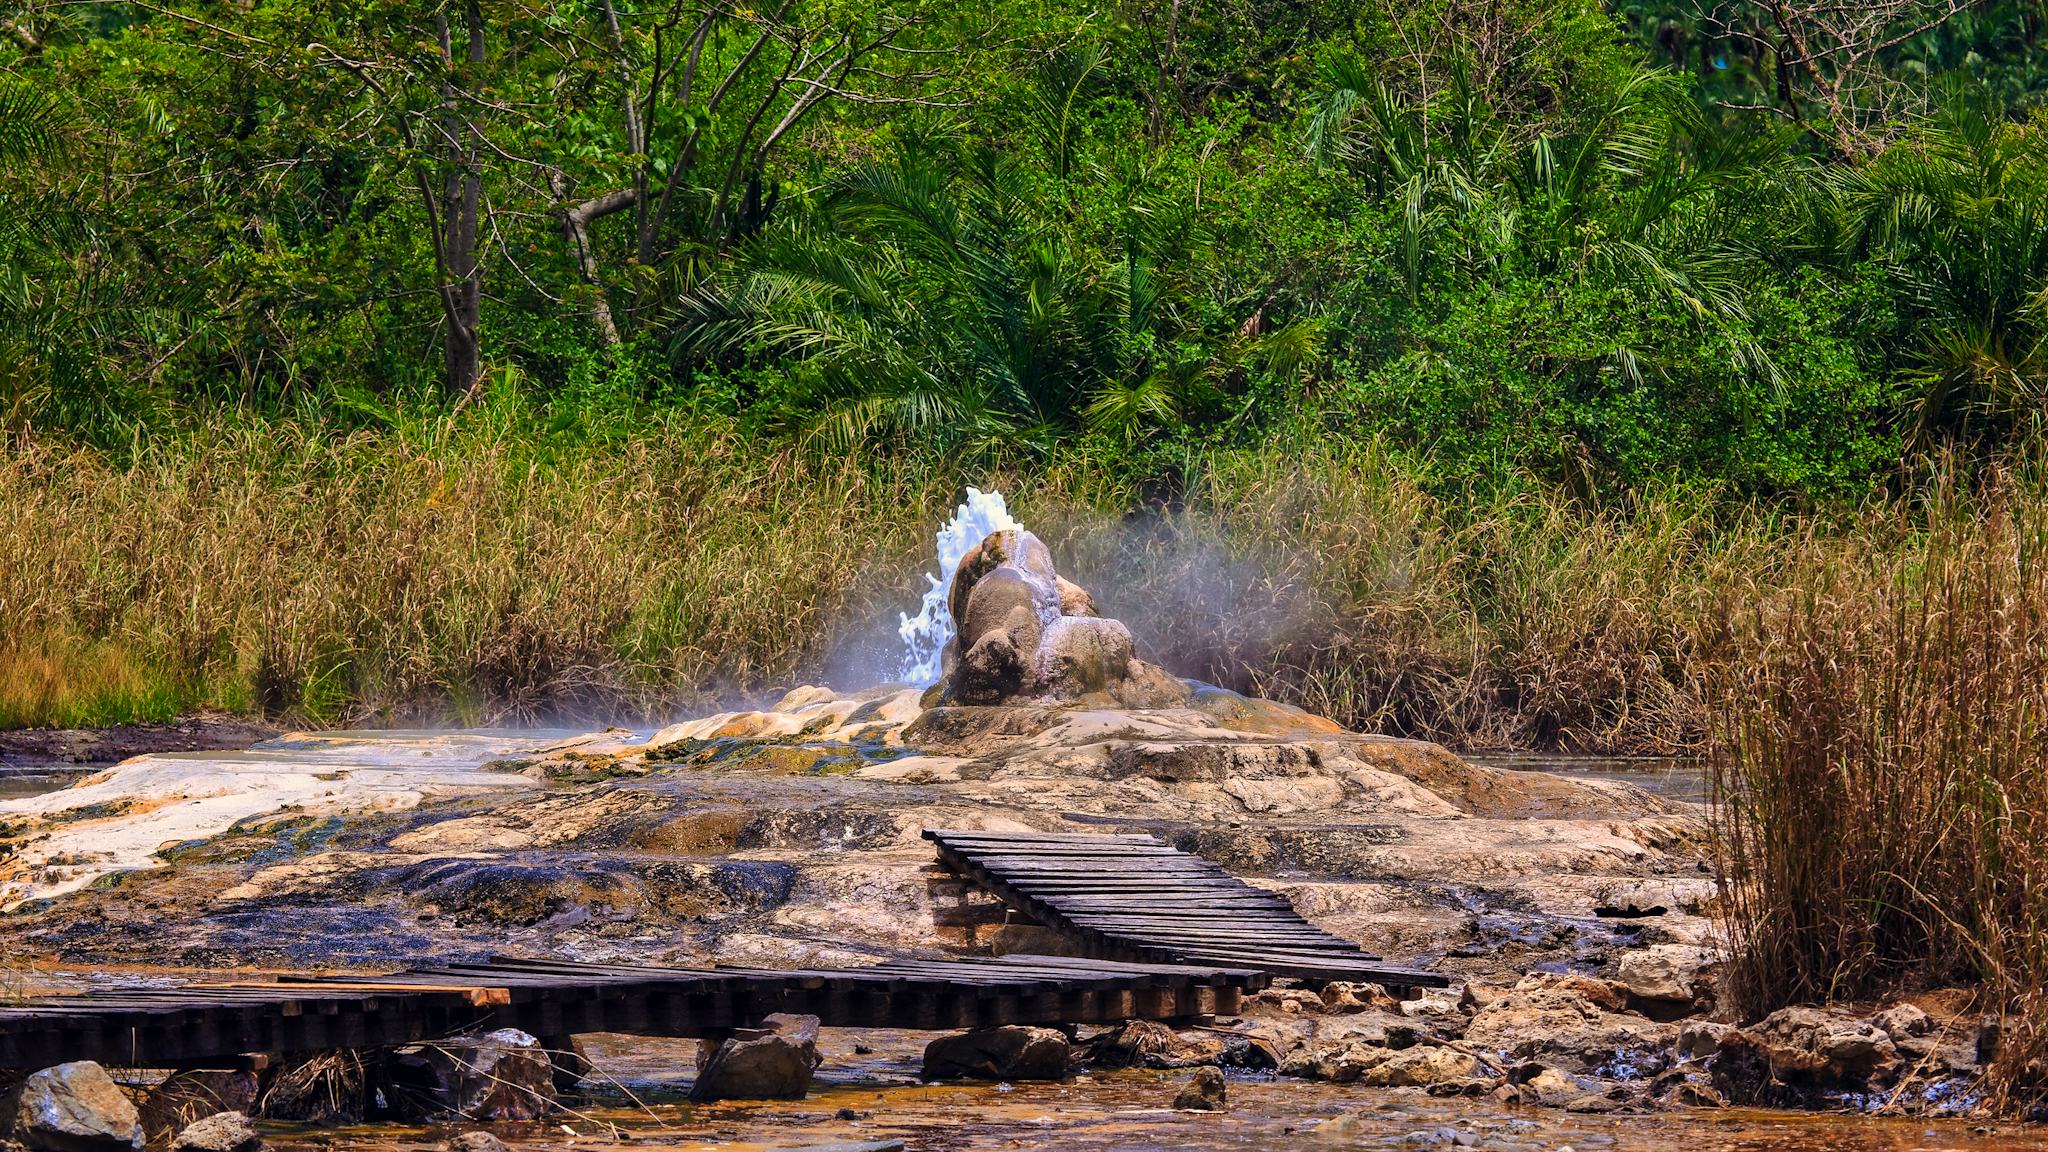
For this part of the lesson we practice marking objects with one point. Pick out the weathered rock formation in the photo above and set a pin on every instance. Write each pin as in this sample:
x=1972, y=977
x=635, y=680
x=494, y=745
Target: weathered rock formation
x=498, y=1076
x=1022, y=632
x=220, y=1132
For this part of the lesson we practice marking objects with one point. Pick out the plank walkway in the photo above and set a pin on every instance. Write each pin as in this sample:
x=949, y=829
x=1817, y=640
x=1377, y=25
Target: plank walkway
x=199, y=1023
x=1129, y=897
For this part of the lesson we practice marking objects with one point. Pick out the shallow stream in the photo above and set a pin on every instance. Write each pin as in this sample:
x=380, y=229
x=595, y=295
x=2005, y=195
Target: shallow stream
x=1671, y=777
x=874, y=1096
x=36, y=781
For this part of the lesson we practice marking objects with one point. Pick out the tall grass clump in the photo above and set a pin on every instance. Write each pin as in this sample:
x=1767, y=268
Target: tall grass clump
x=1882, y=772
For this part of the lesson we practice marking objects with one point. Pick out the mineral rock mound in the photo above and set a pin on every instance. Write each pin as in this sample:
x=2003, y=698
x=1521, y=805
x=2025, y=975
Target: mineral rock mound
x=1022, y=632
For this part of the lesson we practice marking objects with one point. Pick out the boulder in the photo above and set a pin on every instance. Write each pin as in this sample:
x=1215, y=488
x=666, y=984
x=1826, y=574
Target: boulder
x=1575, y=1022
x=1021, y=632
x=772, y=1062
x=191, y=1095
x=1133, y=1044
x=1150, y=1044
x=1700, y=1039
x=475, y=1142
x=1663, y=981
x=1011, y=1052
x=1902, y=1022
x=76, y=1107
x=498, y=1076
x=1204, y=1092
x=1795, y=1053
x=220, y=1132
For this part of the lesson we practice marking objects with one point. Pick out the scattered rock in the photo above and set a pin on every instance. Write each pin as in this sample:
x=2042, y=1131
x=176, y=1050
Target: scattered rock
x=1204, y=1092
x=1341, y=997
x=220, y=1132
x=1011, y=1052
x=475, y=1142
x=499, y=1076
x=772, y=1062
x=76, y=1107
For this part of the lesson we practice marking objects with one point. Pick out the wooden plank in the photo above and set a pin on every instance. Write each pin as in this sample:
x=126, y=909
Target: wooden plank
x=1147, y=904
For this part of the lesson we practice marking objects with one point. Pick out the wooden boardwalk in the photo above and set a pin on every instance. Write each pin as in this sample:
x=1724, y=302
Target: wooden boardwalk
x=1129, y=897
x=199, y=1023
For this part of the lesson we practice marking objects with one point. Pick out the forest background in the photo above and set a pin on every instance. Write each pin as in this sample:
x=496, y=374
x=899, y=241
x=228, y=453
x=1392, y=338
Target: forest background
x=1448, y=365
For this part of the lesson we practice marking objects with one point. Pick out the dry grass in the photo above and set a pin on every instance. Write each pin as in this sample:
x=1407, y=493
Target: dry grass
x=1883, y=783
x=1326, y=575
x=491, y=577
x=375, y=577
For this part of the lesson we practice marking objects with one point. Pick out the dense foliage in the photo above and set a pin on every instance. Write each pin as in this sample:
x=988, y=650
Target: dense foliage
x=1763, y=245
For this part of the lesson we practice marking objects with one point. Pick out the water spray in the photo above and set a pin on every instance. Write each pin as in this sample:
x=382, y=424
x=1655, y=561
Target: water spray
x=925, y=635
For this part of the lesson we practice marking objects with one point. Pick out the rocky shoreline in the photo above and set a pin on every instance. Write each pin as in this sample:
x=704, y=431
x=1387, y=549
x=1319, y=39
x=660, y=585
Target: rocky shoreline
x=1573, y=914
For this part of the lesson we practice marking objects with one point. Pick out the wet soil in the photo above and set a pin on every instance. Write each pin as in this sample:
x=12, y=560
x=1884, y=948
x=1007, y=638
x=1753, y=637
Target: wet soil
x=38, y=748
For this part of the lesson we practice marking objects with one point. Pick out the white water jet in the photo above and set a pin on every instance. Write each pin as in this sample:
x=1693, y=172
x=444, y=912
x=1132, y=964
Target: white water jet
x=925, y=634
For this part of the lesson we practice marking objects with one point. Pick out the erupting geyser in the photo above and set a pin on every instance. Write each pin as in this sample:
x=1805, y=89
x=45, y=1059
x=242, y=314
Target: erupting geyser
x=998, y=624
x=926, y=634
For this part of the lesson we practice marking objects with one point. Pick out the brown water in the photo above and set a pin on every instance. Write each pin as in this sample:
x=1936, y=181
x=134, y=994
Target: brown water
x=875, y=1096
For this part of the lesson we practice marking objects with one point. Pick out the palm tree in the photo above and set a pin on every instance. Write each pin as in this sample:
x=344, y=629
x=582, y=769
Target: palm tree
x=1957, y=217
x=947, y=300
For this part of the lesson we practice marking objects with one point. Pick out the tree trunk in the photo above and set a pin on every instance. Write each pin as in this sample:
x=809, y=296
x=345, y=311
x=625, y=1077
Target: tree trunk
x=462, y=277
x=576, y=220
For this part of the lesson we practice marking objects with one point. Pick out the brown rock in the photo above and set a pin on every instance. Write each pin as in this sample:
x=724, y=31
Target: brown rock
x=1796, y=1052
x=191, y=1095
x=772, y=1062
x=498, y=1076
x=1421, y=1067
x=1573, y=1022
x=220, y=1132
x=1011, y=1052
x=76, y=1107
x=1204, y=1092
x=1133, y=1044
x=1662, y=981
